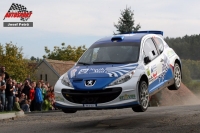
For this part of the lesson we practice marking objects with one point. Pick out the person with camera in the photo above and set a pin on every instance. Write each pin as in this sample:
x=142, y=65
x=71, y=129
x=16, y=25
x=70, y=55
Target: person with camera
x=26, y=88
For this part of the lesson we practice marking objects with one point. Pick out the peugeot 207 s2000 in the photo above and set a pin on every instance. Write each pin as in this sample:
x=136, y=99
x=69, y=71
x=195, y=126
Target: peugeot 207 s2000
x=119, y=71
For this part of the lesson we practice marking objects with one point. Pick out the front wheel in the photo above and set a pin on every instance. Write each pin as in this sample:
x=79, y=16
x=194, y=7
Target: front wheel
x=177, y=78
x=143, y=98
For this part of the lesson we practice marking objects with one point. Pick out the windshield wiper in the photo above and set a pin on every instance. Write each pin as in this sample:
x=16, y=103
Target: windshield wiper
x=84, y=63
x=106, y=62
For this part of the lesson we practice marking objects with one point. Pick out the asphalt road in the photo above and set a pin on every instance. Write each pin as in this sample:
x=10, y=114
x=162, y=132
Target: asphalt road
x=174, y=119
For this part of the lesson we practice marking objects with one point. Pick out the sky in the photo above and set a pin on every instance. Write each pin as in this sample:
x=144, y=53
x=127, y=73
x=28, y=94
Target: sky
x=82, y=22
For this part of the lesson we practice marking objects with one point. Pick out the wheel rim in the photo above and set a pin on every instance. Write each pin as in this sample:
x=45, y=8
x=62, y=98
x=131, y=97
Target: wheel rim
x=144, y=96
x=177, y=75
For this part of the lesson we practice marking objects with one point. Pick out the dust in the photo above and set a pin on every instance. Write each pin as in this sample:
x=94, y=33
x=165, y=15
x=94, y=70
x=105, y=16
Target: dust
x=183, y=96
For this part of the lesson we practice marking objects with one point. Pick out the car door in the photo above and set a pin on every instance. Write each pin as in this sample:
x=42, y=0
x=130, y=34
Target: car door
x=154, y=66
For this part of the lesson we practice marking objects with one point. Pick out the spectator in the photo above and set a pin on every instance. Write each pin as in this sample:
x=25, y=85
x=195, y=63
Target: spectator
x=22, y=99
x=3, y=70
x=9, y=94
x=32, y=96
x=38, y=97
x=1, y=107
x=14, y=90
x=28, y=78
x=52, y=96
x=47, y=84
x=2, y=92
x=16, y=105
x=26, y=88
x=44, y=91
x=47, y=104
x=26, y=106
x=19, y=86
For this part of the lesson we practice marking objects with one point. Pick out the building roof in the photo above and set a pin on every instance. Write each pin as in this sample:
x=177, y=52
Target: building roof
x=58, y=66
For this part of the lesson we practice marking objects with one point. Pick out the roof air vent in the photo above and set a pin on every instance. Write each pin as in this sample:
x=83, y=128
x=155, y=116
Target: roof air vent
x=117, y=38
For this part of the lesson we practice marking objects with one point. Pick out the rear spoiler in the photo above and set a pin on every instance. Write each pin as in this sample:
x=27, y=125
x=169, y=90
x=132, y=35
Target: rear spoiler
x=149, y=32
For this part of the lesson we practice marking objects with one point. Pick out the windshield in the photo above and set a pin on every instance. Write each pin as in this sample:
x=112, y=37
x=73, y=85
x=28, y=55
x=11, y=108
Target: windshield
x=111, y=53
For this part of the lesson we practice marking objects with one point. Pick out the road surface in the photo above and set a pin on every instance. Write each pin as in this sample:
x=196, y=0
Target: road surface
x=174, y=119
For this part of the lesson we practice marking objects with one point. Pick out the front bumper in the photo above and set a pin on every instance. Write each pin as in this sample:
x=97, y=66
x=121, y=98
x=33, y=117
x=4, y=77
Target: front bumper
x=127, y=97
x=119, y=106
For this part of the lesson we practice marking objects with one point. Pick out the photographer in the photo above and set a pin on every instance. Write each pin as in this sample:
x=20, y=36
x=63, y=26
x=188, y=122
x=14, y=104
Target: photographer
x=26, y=88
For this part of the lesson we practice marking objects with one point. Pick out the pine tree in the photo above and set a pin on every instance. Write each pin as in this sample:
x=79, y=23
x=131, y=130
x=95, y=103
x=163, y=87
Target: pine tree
x=126, y=22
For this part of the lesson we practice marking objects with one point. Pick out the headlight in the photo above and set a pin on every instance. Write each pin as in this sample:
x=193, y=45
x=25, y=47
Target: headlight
x=123, y=78
x=65, y=80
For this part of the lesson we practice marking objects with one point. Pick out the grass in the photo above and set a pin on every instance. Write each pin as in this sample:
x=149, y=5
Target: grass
x=5, y=112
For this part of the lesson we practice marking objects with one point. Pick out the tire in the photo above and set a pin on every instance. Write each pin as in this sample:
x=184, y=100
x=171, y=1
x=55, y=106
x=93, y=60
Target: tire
x=69, y=111
x=177, y=78
x=143, y=98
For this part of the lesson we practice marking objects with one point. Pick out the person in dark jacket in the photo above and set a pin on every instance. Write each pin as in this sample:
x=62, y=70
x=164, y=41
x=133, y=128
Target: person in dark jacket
x=3, y=70
x=9, y=94
x=26, y=88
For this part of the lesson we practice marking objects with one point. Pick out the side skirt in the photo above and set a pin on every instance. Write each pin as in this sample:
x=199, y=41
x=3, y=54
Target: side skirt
x=168, y=83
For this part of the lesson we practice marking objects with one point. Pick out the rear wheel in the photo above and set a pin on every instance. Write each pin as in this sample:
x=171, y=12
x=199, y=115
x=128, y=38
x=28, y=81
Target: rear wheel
x=177, y=78
x=69, y=111
x=143, y=98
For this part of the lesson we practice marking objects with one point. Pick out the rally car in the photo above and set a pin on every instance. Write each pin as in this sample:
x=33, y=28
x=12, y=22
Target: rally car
x=119, y=71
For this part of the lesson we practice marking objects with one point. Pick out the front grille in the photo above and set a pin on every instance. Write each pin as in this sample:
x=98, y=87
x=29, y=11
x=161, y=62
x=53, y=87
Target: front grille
x=91, y=97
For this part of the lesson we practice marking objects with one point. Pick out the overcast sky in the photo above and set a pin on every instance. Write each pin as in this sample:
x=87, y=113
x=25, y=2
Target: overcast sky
x=82, y=22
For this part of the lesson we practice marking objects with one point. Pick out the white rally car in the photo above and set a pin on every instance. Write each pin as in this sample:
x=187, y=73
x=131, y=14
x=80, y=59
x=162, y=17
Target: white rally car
x=119, y=71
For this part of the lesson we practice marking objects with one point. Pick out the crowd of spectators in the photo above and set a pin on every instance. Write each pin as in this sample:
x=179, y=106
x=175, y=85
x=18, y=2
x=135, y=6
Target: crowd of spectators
x=25, y=96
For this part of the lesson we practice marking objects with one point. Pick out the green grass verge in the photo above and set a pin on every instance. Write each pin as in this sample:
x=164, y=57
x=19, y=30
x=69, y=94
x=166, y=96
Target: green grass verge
x=5, y=112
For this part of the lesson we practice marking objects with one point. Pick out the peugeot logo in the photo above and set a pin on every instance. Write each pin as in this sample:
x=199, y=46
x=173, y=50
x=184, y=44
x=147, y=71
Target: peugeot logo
x=89, y=82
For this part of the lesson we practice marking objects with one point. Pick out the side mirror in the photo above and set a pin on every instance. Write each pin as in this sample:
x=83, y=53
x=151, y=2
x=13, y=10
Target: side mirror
x=146, y=60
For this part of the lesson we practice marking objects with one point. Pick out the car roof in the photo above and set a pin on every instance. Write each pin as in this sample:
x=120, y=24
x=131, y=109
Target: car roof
x=131, y=37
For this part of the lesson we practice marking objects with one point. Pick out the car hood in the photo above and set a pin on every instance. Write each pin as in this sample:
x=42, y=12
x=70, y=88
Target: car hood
x=100, y=71
x=102, y=75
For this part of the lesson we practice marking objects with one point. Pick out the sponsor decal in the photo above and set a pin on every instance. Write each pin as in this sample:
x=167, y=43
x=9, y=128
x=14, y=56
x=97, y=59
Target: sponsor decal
x=58, y=98
x=155, y=75
x=111, y=71
x=153, y=68
x=83, y=71
x=127, y=97
x=165, y=67
x=148, y=71
x=17, y=11
x=151, y=79
x=99, y=70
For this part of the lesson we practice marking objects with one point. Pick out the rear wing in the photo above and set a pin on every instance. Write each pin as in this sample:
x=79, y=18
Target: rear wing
x=149, y=32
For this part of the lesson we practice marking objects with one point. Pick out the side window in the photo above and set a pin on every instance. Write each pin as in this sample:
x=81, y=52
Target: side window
x=150, y=49
x=159, y=44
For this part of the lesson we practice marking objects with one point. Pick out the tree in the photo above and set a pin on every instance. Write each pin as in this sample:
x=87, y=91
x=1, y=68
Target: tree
x=126, y=22
x=33, y=58
x=11, y=57
x=66, y=53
